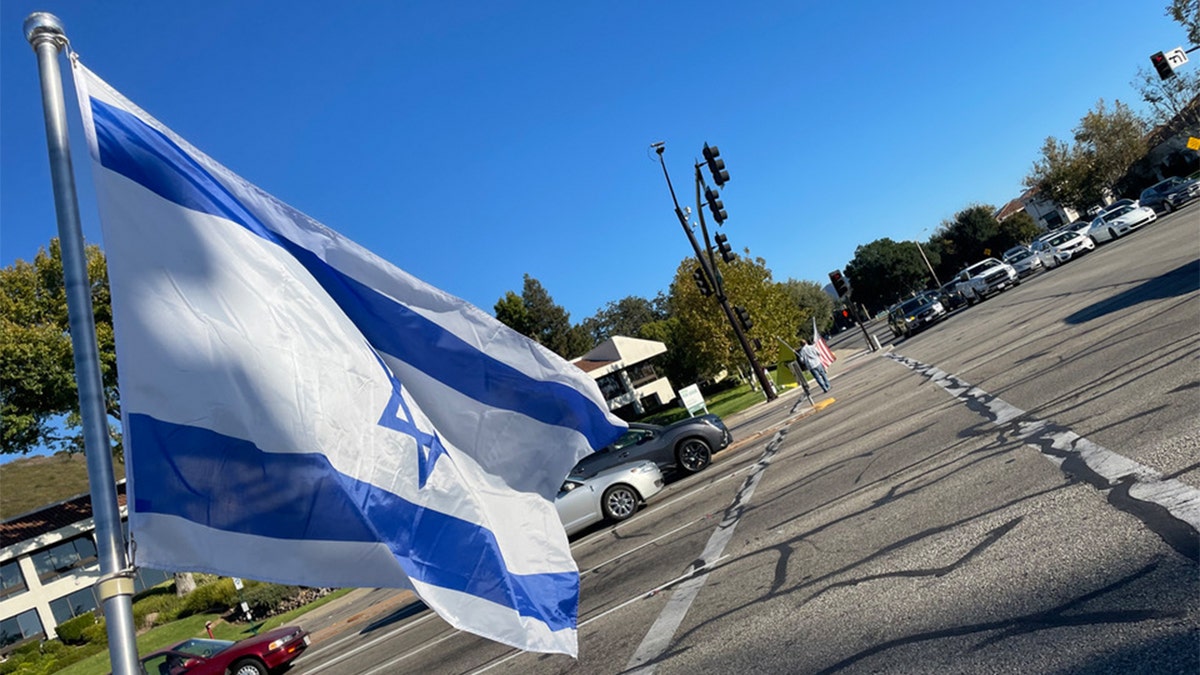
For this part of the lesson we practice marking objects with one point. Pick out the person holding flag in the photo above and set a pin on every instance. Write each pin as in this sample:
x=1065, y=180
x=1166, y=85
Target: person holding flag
x=815, y=357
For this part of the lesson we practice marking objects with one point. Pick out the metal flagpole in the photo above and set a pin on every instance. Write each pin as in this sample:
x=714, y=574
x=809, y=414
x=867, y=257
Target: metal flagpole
x=115, y=587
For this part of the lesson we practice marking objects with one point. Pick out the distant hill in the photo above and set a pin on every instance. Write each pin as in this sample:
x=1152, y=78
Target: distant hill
x=30, y=483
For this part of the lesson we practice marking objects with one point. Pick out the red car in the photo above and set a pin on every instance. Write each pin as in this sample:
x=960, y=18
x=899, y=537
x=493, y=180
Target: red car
x=258, y=655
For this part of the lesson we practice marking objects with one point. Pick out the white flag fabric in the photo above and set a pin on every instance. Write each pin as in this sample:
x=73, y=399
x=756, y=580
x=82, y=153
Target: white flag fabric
x=298, y=410
x=827, y=357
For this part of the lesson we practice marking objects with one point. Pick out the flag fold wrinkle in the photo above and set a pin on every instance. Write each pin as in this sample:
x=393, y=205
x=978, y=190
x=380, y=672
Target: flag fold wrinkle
x=300, y=411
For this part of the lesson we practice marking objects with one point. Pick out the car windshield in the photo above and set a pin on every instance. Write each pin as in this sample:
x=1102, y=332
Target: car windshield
x=1118, y=212
x=202, y=648
x=1019, y=255
x=913, y=305
x=982, y=266
x=1062, y=238
x=1162, y=187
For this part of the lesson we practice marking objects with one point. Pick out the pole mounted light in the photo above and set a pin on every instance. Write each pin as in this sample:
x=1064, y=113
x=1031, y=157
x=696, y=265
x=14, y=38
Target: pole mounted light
x=706, y=274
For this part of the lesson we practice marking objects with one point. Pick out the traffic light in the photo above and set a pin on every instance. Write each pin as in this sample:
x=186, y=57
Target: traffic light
x=716, y=165
x=839, y=283
x=702, y=282
x=743, y=318
x=845, y=314
x=1163, y=66
x=715, y=205
x=723, y=246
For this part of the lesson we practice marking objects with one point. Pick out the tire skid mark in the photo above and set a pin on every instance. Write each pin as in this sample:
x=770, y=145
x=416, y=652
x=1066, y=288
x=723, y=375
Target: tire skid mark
x=1170, y=508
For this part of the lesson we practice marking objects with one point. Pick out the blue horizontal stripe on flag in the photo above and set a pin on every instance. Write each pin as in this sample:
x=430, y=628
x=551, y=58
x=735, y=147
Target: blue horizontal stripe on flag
x=230, y=484
x=130, y=147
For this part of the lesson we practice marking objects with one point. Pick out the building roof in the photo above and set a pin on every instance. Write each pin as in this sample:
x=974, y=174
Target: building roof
x=616, y=353
x=51, y=518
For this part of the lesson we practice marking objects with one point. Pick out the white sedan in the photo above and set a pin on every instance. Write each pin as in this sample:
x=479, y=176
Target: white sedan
x=1059, y=247
x=613, y=494
x=1117, y=222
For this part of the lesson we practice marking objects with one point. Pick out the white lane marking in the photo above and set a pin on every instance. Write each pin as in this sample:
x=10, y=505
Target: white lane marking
x=1182, y=501
x=385, y=636
x=637, y=598
x=658, y=639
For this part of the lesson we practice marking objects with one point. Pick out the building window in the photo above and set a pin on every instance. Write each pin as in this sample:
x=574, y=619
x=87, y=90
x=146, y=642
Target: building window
x=64, y=557
x=24, y=626
x=610, y=386
x=11, y=579
x=71, y=606
x=642, y=373
x=148, y=578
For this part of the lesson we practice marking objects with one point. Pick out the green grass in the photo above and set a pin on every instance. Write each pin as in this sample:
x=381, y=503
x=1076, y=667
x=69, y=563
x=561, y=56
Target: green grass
x=29, y=483
x=722, y=404
x=193, y=626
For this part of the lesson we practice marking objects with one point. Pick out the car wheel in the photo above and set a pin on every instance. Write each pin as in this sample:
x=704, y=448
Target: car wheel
x=1166, y=206
x=619, y=502
x=248, y=667
x=693, y=455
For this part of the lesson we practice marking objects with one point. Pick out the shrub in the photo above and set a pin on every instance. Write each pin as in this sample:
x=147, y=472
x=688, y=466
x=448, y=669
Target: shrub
x=217, y=596
x=265, y=599
x=166, y=605
x=71, y=630
x=96, y=634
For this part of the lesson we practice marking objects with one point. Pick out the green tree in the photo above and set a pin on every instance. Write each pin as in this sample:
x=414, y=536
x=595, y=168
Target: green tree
x=704, y=329
x=510, y=311
x=39, y=402
x=538, y=317
x=812, y=301
x=884, y=271
x=1083, y=174
x=1019, y=228
x=623, y=317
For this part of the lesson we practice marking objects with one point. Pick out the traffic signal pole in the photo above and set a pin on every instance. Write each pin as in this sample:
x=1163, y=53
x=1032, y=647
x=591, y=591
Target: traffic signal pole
x=709, y=266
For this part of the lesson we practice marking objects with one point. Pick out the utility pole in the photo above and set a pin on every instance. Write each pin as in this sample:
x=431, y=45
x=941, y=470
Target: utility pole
x=708, y=263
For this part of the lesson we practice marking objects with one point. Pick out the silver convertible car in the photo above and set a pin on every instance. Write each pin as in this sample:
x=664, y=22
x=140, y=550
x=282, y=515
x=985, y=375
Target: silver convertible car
x=613, y=494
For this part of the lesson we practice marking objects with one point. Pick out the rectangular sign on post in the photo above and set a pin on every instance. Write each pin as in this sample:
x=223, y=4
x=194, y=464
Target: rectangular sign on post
x=1176, y=57
x=692, y=399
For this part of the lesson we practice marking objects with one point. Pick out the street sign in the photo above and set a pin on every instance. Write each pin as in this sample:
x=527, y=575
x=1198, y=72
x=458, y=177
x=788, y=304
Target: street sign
x=1176, y=57
x=237, y=583
x=692, y=399
x=1193, y=143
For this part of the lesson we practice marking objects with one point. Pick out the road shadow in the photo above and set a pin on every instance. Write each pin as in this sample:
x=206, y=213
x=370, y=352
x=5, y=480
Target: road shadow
x=1179, y=281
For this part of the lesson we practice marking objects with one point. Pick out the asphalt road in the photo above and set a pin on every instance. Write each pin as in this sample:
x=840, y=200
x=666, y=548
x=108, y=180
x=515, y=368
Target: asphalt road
x=1016, y=489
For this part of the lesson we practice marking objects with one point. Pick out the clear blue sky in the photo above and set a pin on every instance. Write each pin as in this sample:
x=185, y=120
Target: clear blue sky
x=473, y=142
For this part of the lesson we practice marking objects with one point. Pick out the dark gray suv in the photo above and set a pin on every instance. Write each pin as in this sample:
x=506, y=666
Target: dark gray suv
x=1169, y=194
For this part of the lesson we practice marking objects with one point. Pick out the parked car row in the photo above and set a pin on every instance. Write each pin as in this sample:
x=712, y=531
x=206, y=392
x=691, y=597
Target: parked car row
x=611, y=483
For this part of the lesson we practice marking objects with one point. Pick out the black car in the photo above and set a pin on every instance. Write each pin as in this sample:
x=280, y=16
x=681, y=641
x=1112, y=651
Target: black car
x=1168, y=194
x=916, y=313
x=686, y=445
x=951, y=297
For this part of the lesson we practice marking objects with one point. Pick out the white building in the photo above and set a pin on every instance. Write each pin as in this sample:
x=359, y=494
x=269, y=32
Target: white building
x=48, y=565
x=621, y=367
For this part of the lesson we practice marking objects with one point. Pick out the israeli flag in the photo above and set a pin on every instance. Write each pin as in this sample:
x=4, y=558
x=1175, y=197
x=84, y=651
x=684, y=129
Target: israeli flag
x=298, y=410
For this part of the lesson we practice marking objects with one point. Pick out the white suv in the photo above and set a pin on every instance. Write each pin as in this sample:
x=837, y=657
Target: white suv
x=984, y=278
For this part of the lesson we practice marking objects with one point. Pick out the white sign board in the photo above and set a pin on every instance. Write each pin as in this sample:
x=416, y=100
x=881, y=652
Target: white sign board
x=237, y=583
x=692, y=399
x=1176, y=57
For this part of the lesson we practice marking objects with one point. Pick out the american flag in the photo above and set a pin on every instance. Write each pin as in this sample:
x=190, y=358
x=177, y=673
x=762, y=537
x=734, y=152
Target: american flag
x=827, y=356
